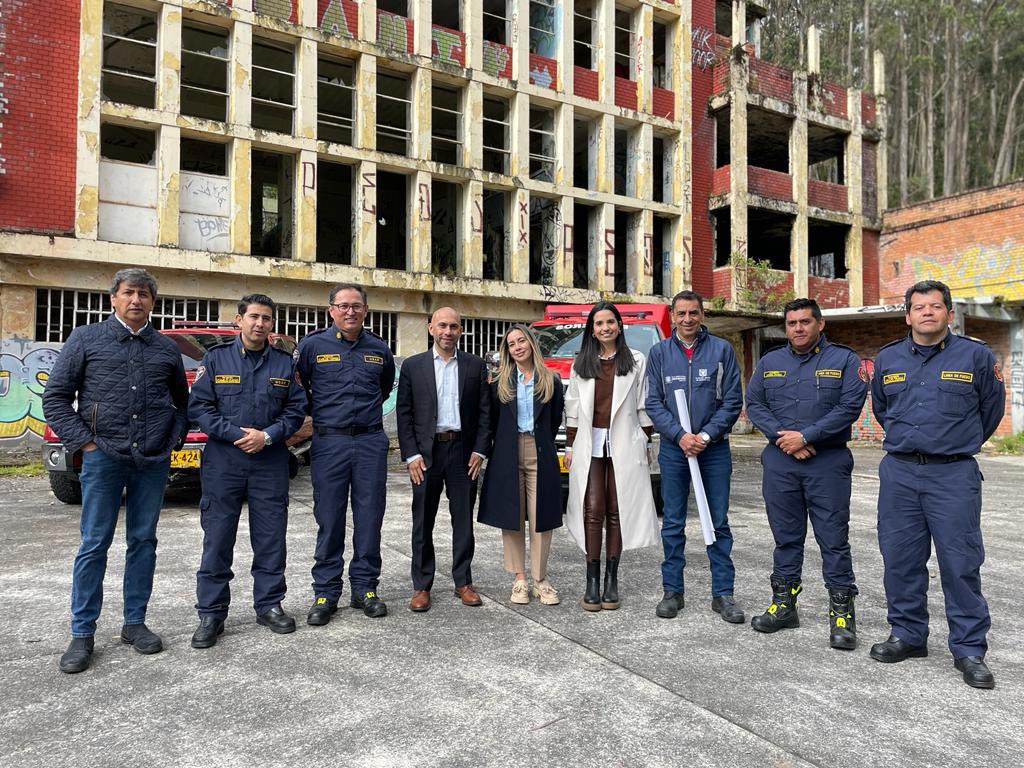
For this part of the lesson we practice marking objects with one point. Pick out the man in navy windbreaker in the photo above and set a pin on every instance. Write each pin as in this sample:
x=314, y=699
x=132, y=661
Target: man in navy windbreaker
x=704, y=367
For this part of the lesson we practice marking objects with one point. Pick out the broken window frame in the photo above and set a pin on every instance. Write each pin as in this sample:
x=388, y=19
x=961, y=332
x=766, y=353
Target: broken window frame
x=193, y=140
x=332, y=119
x=271, y=103
x=503, y=20
x=503, y=153
x=110, y=73
x=452, y=143
x=577, y=42
x=545, y=163
x=630, y=58
x=531, y=30
x=150, y=132
x=398, y=133
x=223, y=60
x=659, y=73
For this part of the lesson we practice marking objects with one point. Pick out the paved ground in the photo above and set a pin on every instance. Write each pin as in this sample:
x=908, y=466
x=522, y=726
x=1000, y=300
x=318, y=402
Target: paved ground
x=499, y=685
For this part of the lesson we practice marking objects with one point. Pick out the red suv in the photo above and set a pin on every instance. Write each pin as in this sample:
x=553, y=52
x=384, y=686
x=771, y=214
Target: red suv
x=193, y=340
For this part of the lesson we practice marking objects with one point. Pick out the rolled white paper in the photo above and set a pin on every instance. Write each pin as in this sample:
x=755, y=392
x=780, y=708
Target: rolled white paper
x=703, y=510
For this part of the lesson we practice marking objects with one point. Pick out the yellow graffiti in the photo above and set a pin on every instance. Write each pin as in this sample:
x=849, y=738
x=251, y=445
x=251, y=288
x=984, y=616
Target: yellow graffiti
x=23, y=377
x=978, y=271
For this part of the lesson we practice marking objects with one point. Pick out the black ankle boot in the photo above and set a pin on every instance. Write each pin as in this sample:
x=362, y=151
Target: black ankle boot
x=781, y=613
x=592, y=599
x=842, y=621
x=610, y=597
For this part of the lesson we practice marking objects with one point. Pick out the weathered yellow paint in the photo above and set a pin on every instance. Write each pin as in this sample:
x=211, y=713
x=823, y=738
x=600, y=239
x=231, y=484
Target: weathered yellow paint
x=241, y=172
x=88, y=207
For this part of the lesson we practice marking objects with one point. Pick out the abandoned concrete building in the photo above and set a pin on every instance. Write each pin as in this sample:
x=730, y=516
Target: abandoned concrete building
x=495, y=155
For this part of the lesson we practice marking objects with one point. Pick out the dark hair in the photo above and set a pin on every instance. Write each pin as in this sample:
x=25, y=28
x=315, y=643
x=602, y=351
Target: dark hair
x=140, y=278
x=347, y=287
x=795, y=304
x=588, y=364
x=688, y=296
x=256, y=298
x=927, y=286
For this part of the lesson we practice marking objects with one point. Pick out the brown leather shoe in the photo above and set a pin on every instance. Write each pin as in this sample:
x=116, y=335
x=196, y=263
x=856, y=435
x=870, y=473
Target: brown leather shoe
x=468, y=595
x=420, y=601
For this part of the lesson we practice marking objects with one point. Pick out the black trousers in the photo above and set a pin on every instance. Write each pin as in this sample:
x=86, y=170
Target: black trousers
x=448, y=472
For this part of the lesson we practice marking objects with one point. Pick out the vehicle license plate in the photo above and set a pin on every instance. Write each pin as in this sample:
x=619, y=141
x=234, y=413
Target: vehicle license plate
x=185, y=459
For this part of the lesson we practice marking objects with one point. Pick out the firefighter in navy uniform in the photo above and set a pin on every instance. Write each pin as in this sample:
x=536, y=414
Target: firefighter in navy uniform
x=246, y=399
x=348, y=373
x=939, y=397
x=804, y=397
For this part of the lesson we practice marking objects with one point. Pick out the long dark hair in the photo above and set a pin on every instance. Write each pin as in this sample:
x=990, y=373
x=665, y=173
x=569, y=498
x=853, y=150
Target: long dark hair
x=588, y=362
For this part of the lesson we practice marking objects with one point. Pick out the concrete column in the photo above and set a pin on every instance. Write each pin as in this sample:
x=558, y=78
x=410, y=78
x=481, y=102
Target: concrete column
x=239, y=104
x=563, y=145
x=604, y=49
x=739, y=22
x=565, y=57
x=365, y=131
x=519, y=139
x=1014, y=377
x=518, y=269
x=168, y=56
x=641, y=149
x=681, y=164
x=640, y=256
x=418, y=257
x=304, y=242
x=471, y=225
x=307, y=13
x=412, y=333
x=364, y=215
x=241, y=193
x=739, y=76
x=601, y=266
x=798, y=168
x=473, y=27
x=168, y=162
x=854, y=190
x=563, y=257
x=602, y=138
x=473, y=125
x=519, y=23
x=305, y=88
x=882, y=121
x=813, y=51
x=19, y=316
x=644, y=18
x=368, y=21
x=87, y=161
x=422, y=13
x=419, y=113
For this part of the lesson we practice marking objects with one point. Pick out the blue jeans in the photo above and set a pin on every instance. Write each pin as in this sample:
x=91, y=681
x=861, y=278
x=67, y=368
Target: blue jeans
x=715, y=463
x=103, y=481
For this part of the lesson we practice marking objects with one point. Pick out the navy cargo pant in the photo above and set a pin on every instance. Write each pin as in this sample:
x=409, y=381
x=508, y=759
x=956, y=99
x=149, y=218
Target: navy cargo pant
x=342, y=464
x=819, y=488
x=918, y=503
x=230, y=477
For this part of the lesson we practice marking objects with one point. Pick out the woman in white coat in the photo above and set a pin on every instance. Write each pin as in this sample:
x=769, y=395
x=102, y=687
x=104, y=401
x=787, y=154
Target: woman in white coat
x=607, y=433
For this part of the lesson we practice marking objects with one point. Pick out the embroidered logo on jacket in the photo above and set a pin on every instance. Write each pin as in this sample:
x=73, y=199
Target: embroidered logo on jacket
x=829, y=373
x=227, y=378
x=334, y=358
x=965, y=376
x=280, y=382
x=375, y=359
x=775, y=374
x=894, y=378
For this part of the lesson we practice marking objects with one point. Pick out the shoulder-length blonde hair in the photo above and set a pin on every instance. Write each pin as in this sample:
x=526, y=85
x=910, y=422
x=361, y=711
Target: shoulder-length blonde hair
x=543, y=378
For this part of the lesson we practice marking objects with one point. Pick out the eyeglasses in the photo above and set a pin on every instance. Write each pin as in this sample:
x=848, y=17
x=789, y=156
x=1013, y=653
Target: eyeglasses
x=344, y=308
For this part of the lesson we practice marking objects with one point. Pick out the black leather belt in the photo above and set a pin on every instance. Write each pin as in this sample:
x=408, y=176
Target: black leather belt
x=916, y=457
x=350, y=431
x=447, y=436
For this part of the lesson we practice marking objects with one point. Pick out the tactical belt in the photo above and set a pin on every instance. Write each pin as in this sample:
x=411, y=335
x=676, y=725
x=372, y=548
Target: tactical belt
x=916, y=457
x=350, y=431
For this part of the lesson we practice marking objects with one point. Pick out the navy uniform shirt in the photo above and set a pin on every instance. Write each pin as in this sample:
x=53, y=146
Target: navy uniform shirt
x=818, y=394
x=236, y=387
x=348, y=381
x=945, y=399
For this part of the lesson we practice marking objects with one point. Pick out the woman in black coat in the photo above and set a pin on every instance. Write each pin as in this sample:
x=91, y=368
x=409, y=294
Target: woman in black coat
x=523, y=482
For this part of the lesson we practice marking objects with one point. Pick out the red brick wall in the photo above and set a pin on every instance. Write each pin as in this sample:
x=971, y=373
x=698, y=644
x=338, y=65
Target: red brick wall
x=625, y=92
x=721, y=78
x=869, y=175
x=771, y=80
x=722, y=281
x=663, y=102
x=543, y=71
x=584, y=83
x=39, y=66
x=703, y=133
x=773, y=184
x=824, y=194
x=721, y=180
x=868, y=109
x=829, y=292
x=869, y=246
x=835, y=99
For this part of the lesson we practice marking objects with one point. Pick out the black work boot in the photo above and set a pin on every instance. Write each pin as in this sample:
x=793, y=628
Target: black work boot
x=592, y=598
x=78, y=656
x=842, y=621
x=782, y=612
x=610, y=596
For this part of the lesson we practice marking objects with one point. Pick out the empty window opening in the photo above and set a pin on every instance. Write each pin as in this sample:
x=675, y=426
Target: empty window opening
x=271, y=209
x=543, y=23
x=205, y=52
x=542, y=144
x=768, y=139
x=496, y=21
x=334, y=213
x=658, y=191
x=335, y=100
x=446, y=125
x=826, y=249
x=722, y=133
x=769, y=235
x=621, y=230
x=545, y=232
x=273, y=87
x=826, y=153
x=621, y=161
x=583, y=34
x=723, y=236
x=625, y=48
x=829, y=170
x=393, y=6
x=444, y=228
x=392, y=212
x=129, y=56
x=447, y=14
x=393, y=105
x=496, y=133
x=581, y=245
x=661, y=255
x=127, y=144
x=209, y=157
x=660, y=56
x=582, y=162
x=495, y=223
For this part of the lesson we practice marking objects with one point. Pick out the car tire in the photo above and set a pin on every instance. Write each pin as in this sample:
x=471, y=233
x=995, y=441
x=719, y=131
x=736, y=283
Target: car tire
x=66, y=487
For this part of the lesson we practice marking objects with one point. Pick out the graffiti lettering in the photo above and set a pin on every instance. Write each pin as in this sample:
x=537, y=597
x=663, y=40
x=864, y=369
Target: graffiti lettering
x=609, y=252
x=308, y=176
x=369, y=182
x=477, y=221
x=648, y=254
x=424, y=202
x=24, y=369
x=702, y=53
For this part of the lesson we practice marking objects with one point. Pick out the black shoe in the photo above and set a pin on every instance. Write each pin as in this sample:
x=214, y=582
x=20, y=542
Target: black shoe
x=610, y=595
x=277, y=620
x=894, y=649
x=592, y=597
x=142, y=638
x=78, y=656
x=206, y=633
x=321, y=610
x=370, y=604
x=671, y=604
x=781, y=614
x=842, y=620
x=976, y=672
x=726, y=606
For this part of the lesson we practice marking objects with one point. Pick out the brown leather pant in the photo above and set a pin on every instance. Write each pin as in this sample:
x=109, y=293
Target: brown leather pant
x=601, y=510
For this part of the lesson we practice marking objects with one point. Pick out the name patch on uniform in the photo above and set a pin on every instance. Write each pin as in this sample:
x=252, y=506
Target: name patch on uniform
x=966, y=376
x=375, y=359
x=334, y=358
x=227, y=378
x=285, y=383
x=829, y=373
x=893, y=378
x=775, y=374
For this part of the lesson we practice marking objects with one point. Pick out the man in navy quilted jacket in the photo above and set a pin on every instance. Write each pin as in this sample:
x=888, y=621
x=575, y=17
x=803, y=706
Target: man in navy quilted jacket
x=132, y=396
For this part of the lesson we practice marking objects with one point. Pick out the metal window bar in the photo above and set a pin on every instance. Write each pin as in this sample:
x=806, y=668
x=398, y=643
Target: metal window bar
x=400, y=132
x=546, y=163
x=625, y=60
x=185, y=86
x=297, y=320
x=335, y=119
x=546, y=32
x=481, y=335
x=289, y=74
x=503, y=20
x=455, y=142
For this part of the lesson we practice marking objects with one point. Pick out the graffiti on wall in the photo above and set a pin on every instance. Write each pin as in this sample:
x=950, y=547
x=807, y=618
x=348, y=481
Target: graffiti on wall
x=982, y=270
x=24, y=369
x=394, y=31
x=286, y=10
x=338, y=17
x=702, y=53
x=448, y=46
x=543, y=71
x=497, y=59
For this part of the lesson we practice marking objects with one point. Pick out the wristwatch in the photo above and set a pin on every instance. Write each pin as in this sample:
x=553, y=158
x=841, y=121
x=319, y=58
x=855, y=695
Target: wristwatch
x=266, y=438
x=704, y=437
x=803, y=438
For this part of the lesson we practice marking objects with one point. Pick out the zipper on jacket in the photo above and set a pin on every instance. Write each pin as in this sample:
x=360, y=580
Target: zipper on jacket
x=95, y=410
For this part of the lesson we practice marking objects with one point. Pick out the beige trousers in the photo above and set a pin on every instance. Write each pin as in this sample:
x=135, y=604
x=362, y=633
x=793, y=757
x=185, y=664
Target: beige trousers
x=514, y=542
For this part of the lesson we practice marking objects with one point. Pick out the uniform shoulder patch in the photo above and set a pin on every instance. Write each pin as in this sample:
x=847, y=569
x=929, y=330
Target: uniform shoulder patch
x=329, y=358
x=964, y=376
x=283, y=383
x=375, y=359
x=893, y=342
x=829, y=373
x=976, y=340
x=317, y=332
x=997, y=371
x=894, y=378
x=200, y=371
